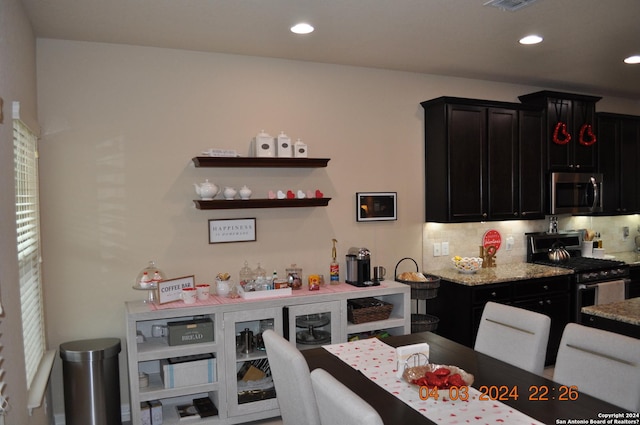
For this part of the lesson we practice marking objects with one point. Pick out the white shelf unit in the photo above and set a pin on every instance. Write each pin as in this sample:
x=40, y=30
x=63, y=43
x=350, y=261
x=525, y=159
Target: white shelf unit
x=228, y=319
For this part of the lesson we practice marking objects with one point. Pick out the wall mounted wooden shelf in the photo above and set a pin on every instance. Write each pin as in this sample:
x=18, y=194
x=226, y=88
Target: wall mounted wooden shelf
x=223, y=204
x=211, y=161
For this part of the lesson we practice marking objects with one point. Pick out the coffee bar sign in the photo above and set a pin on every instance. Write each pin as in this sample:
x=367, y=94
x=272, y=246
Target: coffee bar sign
x=169, y=290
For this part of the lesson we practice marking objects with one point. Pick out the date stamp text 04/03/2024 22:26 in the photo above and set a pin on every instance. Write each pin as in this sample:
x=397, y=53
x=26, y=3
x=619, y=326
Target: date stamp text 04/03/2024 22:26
x=536, y=393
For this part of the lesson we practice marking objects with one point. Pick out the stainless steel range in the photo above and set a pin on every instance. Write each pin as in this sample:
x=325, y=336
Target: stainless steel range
x=594, y=281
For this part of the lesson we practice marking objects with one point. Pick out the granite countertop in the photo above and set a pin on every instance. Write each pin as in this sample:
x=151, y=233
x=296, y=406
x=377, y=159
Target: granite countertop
x=500, y=273
x=518, y=271
x=627, y=311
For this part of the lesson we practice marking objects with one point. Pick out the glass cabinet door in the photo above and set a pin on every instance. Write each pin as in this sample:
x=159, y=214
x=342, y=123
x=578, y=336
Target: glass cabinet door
x=312, y=325
x=250, y=386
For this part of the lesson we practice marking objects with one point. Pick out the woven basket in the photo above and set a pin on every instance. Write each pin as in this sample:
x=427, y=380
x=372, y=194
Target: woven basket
x=420, y=290
x=363, y=310
x=423, y=323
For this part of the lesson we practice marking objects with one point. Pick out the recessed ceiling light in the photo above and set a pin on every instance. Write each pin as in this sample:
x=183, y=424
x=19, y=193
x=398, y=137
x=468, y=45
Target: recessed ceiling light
x=632, y=59
x=302, y=28
x=510, y=5
x=531, y=39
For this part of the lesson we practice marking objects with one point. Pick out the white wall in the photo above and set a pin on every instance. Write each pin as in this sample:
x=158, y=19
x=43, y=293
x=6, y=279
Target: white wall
x=17, y=83
x=121, y=123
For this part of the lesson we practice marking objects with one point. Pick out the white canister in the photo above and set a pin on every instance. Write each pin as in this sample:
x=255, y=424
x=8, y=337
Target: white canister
x=285, y=150
x=300, y=149
x=264, y=145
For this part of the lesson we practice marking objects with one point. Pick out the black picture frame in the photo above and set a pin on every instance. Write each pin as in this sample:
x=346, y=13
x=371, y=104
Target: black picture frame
x=376, y=206
x=232, y=230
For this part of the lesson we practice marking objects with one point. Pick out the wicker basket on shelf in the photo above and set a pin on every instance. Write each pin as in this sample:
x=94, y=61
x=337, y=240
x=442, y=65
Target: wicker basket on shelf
x=363, y=310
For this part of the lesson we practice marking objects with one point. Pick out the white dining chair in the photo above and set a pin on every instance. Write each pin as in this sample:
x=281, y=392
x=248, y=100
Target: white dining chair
x=292, y=381
x=514, y=335
x=602, y=364
x=338, y=404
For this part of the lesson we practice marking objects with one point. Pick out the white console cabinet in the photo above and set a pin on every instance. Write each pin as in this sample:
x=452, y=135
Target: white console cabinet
x=308, y=314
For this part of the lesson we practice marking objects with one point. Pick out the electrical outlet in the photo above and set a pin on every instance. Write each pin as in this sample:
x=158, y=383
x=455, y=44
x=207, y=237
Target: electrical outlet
x=445, y=248
x=510, y=242
x=437, y=249
x=625, y=232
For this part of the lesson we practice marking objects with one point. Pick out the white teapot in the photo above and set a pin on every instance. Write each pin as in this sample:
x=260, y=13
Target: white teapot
x=229, y=193
x=206, y=190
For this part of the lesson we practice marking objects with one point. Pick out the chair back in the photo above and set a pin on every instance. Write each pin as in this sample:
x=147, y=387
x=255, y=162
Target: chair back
x=514, y=335
x=602, y=364
x=338, y=404
x=292, y=381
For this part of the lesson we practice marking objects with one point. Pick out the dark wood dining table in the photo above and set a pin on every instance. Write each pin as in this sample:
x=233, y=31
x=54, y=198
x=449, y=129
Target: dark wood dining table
x=487, y=371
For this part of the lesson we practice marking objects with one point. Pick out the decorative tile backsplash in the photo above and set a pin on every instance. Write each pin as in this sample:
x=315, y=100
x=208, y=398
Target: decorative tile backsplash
x=465, y=238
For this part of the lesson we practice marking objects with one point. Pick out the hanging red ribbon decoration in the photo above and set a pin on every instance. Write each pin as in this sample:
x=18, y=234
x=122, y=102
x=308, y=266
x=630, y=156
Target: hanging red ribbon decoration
x=561, y=130
x=591, y=138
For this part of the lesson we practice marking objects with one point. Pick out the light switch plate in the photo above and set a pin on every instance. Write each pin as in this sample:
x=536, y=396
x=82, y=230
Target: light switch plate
x=445, y=248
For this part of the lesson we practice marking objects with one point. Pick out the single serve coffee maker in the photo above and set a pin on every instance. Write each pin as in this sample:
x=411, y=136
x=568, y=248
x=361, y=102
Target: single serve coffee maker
x=359, y=267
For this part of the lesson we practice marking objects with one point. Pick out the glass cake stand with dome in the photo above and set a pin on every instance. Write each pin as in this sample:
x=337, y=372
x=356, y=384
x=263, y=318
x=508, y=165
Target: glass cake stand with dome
x=147, y=280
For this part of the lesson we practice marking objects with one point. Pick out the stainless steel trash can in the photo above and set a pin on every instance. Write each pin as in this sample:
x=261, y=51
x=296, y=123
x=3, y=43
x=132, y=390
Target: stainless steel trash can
x=91, y=381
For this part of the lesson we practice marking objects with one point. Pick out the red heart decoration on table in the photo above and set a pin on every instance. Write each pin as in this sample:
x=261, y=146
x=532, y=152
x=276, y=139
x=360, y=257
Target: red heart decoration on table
x=290, y=194
x=319, y=194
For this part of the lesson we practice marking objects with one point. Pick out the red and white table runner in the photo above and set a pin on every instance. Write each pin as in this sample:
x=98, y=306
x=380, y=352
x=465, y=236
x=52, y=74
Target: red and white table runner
x=377, y=361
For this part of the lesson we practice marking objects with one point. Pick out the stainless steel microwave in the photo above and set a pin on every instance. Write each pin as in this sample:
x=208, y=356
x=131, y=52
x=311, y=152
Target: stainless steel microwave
x=574, y=193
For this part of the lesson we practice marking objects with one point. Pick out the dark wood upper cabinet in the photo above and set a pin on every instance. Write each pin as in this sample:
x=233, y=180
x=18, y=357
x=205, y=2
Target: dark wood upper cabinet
x=619, y=156
x=484, y=160
x=467, y=170
x=502, y=164
x=574, y=111
x=531, y=154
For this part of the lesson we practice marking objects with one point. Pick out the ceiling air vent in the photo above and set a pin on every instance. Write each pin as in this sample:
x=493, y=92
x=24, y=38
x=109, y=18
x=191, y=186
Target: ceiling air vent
x=510, y=5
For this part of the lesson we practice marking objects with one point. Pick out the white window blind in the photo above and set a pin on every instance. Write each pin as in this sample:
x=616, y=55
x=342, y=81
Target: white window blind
x=28, y=231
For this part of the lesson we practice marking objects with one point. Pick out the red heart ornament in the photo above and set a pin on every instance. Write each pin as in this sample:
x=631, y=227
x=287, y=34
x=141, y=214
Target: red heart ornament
x=290, y=195
x=319, y=194
x=560, y=134
x=587, y=130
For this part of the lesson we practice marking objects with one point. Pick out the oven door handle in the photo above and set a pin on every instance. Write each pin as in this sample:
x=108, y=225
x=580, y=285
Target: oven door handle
x=595, y=192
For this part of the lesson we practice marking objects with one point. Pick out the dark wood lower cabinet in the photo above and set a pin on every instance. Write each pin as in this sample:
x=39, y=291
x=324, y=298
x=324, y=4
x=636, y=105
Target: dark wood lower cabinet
x=557, y=307
x=634, y=284
x=603, y=323
x=459, y=307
